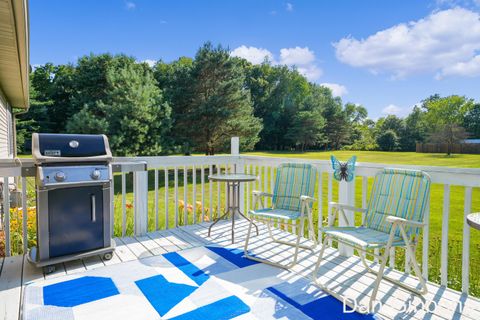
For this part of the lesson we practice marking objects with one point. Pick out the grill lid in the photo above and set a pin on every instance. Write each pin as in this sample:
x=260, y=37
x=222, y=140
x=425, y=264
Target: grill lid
x=51, y=147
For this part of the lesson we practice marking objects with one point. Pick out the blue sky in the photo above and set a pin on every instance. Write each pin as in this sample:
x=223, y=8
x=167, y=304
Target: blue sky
x=385, y=55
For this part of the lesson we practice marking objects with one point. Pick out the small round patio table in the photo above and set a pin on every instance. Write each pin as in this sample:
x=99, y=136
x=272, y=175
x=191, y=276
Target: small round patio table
x=233, y=182
x=473, y=220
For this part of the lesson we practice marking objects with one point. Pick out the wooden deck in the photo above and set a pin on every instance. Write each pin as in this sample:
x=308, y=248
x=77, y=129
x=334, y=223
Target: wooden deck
x=345, y=276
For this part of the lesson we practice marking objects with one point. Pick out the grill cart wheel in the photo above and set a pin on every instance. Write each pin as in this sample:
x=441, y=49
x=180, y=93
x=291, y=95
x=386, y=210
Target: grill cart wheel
x=49, y=269
x=107, y=256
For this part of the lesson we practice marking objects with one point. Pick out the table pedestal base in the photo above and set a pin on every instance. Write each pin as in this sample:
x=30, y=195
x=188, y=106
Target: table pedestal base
x=233, y=191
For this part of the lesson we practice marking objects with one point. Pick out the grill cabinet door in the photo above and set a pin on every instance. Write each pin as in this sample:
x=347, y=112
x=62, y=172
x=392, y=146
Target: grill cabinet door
x=75, y=220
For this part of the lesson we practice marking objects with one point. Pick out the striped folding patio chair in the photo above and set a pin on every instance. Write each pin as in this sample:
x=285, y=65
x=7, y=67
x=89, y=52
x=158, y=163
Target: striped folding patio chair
x=292, y=201
x=393, y=218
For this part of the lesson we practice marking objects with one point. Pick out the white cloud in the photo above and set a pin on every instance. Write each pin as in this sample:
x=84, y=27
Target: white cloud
x=392, y=109
x=468, y=69
x=296, y=56
x=252, y=54
x=150, y=62
x=289, y=7
x=430, y=45
x=130, y=5
x=311, y=72
x=338, y=90
x=395, y=110
x=303, y=59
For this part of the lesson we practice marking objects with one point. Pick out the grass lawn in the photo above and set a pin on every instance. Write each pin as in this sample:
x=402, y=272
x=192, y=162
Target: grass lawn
x=410, y=158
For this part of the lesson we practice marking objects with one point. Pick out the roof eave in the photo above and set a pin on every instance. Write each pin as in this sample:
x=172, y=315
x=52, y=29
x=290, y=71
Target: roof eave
x=14, y=54
x=22, y=29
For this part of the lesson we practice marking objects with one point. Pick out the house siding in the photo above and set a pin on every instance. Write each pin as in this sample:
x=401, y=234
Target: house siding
x=6, y=129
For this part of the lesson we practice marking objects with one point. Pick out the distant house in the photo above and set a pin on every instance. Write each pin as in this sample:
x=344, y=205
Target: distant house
x=471, y=141
x=14, y=70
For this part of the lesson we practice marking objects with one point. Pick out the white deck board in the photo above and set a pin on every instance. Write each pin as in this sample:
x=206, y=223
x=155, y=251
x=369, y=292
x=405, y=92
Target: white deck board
x=31, y=273
x=344, y=276
x=186, y=238
x=163, y=242
x=11, y=287
x=153, y=247
x=139, y=250
x=123, y=252
x=174, y=239
x=74, y=266
x=93, y=262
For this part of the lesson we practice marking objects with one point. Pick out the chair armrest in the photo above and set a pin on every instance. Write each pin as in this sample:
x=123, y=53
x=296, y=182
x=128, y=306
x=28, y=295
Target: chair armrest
x=261, y=193
x=307, y=198
x=346, y=207
x=340, y=207
x=402, y=221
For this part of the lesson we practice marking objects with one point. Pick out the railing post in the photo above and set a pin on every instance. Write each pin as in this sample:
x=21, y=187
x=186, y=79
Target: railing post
x=235, y=146
x=239, y=168
x=467, y=209
x=141, y=202
x=346, y=195
x=6, y=212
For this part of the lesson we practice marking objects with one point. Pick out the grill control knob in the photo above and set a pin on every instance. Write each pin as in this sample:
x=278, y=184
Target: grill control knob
x=96, y=174
x=60, y=176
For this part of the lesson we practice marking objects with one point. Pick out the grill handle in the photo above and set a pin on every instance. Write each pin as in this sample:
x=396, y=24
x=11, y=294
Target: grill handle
x=94, y=213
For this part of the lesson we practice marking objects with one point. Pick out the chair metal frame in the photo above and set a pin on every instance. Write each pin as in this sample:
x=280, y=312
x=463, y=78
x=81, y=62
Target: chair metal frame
x=305, y=213
x=410, y=244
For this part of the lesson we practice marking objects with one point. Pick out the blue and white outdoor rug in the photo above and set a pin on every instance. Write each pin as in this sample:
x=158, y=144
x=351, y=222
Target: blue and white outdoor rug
x=199, y=283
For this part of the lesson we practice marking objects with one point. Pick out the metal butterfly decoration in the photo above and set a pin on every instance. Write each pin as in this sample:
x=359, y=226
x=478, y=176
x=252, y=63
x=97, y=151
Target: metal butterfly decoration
x=343, y=170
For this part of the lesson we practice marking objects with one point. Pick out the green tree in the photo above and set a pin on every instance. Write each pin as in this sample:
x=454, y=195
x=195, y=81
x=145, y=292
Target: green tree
x=471, y=121
x=306, y=129
x=391, y=122
x=63, y=92
x=446, y=117
x=415, y=130
x=37, y=118
x=360, y=135
x=220, y=106
x=175, y=81
x=277, y=94
x=356, y=113
x=387, y=140
x=128, y=107
x=337, y=128
x=363, y=137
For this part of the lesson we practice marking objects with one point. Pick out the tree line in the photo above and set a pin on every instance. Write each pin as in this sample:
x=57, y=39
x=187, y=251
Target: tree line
x=197, y=104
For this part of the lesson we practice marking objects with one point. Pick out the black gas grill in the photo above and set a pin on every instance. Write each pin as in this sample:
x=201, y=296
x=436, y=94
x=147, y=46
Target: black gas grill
x=73, y=183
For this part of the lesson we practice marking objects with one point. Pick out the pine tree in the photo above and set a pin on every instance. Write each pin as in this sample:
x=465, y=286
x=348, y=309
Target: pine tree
x=128, y=107
x=220, y=105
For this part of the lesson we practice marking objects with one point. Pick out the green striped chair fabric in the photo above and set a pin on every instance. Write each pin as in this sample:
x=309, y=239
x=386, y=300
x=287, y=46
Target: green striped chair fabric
x=399, y=193
x=273, y=213
x=361, y=236
x=396, y=192
x=292, y=181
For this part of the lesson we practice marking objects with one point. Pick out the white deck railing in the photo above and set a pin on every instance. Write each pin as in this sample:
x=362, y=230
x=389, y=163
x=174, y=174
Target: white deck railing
x=151, y=200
